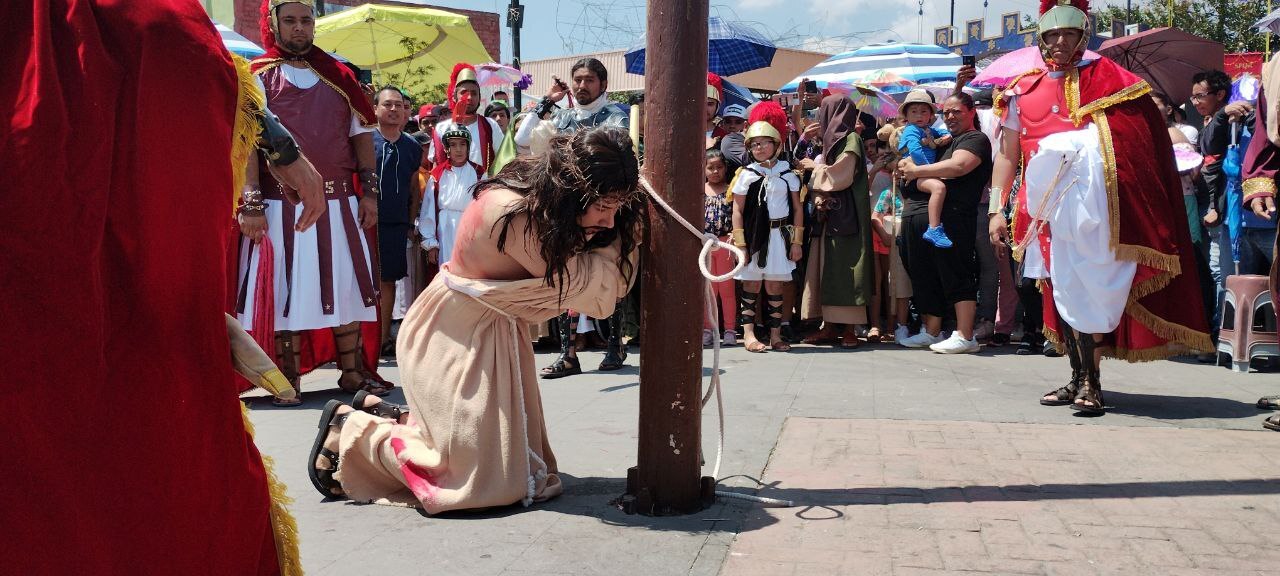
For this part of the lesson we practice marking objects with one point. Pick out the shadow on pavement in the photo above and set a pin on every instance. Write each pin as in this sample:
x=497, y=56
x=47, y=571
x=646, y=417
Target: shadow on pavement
x=1163, y=407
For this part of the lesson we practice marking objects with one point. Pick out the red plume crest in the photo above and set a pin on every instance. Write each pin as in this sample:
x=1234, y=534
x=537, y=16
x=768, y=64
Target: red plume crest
x=1082, y=5
x=769, y=111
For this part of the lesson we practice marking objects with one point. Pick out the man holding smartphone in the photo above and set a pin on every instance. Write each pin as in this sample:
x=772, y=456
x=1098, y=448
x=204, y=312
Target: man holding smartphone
x=591, y=108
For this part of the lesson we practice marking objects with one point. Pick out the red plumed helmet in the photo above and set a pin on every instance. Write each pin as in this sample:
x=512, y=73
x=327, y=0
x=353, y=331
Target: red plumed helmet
x=715, y=87
x=769, y=111
x=462, y=72
x=1082, y=5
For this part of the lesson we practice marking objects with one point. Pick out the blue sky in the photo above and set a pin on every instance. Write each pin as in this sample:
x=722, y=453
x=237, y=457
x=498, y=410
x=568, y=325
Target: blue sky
x=563, y=27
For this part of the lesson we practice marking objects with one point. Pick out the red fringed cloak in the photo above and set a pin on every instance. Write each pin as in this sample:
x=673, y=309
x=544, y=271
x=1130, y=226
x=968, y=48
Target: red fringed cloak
x=1164, y=315
x=125, y=449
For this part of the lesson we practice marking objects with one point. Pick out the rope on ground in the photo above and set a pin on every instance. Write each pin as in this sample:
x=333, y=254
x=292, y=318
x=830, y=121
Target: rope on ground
x=711, y=243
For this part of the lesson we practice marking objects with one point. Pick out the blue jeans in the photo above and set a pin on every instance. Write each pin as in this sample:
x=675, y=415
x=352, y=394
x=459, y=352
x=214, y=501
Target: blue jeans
x=1221, y=265
x=1256, y=245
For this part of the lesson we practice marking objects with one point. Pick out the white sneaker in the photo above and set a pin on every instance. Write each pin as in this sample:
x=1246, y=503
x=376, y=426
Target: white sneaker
x=920, y=340
x=901, y=333
x=984, y=330
x=956, y=344
x=730, y=338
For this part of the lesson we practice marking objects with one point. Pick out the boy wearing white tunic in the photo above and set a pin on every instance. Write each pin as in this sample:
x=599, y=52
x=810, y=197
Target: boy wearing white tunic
x=769, y=223
x=448, y=194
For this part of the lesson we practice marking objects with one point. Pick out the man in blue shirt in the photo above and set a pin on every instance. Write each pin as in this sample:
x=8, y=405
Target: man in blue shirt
x=398, y=157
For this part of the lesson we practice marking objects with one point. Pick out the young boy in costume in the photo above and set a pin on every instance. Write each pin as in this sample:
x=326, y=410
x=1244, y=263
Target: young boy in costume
x=768, y=222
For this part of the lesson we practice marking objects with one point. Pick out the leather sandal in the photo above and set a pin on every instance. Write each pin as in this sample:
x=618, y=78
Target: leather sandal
x=615, y=357
x=386, y=410
x=756, y=346
x=1272, y=423
x=350, y=361
x=1064, y=395
x=1269, y=403
x=780, y=346
x=1092, y=394
x=849, y=340
x=563, y=366
x=322, y=478
x=823, y=336
x=287, y=361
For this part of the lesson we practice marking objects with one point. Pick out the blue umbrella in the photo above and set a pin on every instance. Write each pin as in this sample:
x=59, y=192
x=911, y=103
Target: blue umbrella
x=732, y=48
x=735, y=94
x=919, y=63
x=238, y=44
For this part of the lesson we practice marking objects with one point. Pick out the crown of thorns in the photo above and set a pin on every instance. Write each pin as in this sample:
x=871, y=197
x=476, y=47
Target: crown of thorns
x=591, y=192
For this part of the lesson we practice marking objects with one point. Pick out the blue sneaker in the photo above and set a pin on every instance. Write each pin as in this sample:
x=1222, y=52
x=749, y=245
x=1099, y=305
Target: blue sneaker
x=936, y=236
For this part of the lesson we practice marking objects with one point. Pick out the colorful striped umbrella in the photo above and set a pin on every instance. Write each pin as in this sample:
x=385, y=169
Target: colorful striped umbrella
x=918, y=63
x=238, y=44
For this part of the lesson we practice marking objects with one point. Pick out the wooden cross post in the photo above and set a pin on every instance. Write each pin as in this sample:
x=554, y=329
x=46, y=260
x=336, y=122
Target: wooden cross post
x=668, y=476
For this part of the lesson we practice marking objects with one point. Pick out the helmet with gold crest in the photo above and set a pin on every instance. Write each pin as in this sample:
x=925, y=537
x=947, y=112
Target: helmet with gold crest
x=271, y=10
x=1064, y=15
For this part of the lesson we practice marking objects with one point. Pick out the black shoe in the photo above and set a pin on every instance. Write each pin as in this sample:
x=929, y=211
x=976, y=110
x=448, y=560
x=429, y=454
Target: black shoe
x=1050, y=351
x=1027, y=348
x=615, y=357
x=999, y=339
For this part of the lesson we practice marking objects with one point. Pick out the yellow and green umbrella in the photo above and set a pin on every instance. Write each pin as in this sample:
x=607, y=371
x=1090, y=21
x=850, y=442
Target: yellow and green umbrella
x=397, y=39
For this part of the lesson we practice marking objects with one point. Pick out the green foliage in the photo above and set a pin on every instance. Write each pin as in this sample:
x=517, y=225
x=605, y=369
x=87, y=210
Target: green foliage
x=1227, y=21
x=413, y=80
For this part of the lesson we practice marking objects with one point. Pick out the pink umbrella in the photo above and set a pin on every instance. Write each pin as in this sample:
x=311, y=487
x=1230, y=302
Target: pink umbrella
x=1014, y=64
x=494, y=74
x=868, y=99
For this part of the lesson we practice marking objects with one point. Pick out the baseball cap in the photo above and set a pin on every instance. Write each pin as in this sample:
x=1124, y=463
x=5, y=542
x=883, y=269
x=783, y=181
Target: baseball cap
x=735, y=110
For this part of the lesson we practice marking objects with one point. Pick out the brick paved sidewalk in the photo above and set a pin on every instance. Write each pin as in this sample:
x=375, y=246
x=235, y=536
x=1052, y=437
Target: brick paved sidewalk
x=912, y=497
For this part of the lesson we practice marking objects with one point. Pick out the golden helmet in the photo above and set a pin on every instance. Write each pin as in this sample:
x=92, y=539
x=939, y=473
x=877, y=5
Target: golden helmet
x=1061, y=15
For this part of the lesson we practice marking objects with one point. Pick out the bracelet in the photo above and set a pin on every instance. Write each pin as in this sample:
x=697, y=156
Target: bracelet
x=372, y=192
x=251, y=209
x=995, y=204
x=797, y=235
x=739, y=237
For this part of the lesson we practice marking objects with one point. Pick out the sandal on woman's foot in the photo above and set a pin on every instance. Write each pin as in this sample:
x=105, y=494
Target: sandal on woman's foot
x=756, y=346
x=873, y=335
x=322, y=478
x=780, y=346
x=1269, y=403
x=1089, y=401
x=380, y=409
x=563, y=366
x=1272, y=423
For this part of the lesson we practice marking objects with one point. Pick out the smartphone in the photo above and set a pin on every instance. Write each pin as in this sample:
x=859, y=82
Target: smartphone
x=811, y=86
x=969, y=60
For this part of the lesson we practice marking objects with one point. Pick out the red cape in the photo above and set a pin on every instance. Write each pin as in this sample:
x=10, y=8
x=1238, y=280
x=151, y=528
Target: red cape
x=1164, y=315
x=113, y=293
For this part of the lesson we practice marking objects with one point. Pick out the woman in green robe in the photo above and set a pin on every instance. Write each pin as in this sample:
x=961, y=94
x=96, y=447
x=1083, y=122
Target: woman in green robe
x=839, y=281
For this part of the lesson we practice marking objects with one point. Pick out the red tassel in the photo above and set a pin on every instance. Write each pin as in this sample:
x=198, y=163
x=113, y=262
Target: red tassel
x=264, y=299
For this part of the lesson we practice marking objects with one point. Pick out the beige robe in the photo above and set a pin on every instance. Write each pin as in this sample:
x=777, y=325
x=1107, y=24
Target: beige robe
x=833, y=178
x=477, y=437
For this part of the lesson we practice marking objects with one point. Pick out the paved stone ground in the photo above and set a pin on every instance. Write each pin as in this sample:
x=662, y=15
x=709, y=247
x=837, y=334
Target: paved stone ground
x=903, y=461
x=910, y=497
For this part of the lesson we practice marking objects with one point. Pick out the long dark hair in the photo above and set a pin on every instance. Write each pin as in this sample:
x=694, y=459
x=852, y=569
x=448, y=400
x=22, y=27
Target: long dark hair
x=967, y=101
x=557, y=187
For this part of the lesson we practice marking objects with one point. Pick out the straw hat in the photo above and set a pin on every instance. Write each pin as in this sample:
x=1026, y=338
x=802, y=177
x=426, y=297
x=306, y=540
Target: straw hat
x=917, y=96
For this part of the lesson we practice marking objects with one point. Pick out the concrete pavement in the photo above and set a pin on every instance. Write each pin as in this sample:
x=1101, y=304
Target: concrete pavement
x=952, y=443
